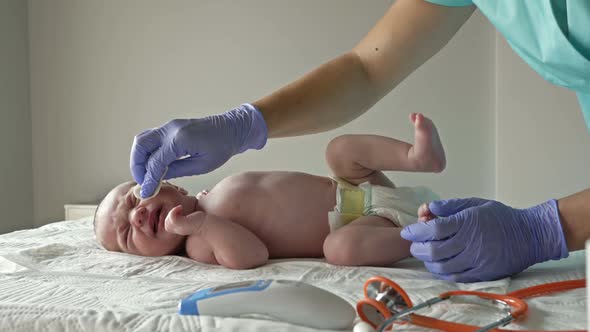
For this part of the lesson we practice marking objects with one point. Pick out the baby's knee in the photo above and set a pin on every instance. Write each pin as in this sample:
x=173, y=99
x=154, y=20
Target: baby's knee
x=341, y=248
x=338, y=147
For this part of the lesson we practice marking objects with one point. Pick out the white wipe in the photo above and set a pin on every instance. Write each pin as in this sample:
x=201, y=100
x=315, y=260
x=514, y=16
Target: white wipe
x=137, y=189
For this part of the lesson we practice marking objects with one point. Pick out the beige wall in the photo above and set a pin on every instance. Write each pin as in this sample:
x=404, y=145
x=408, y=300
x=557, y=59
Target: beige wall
x=15, y=119
x=102, y=71
x=543, y=147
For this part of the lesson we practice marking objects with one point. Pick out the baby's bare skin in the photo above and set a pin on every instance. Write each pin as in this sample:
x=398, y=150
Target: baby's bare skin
x=251, y=217
x=288, y=211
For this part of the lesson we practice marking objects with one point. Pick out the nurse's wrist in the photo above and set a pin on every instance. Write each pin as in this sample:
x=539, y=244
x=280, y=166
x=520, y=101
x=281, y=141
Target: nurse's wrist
x=255, y=130
x=548, y=238
x=574, y=211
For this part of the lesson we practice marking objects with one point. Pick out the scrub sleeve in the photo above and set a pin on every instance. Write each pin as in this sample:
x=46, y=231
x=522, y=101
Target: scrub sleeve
x=550, y=36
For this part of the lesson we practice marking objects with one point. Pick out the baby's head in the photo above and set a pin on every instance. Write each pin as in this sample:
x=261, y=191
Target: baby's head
x=125, y=223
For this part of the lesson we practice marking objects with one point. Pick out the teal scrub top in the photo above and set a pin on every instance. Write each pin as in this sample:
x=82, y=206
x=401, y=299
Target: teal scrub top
x=552, y=36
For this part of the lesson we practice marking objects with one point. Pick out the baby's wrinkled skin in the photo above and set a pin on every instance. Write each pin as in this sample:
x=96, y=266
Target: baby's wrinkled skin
x=291, y=223
x=247, y=218
x=124, y=223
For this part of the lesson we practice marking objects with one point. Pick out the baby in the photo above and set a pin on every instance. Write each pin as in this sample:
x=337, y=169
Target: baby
x=353, y=218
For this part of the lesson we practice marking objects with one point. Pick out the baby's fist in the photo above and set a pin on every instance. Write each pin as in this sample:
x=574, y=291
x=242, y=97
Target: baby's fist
x=424, y=213
x=177, y=223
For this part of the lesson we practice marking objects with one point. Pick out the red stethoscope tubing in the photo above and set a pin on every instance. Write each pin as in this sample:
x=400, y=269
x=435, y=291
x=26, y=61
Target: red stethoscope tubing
x=543, y=289
x=517, y=296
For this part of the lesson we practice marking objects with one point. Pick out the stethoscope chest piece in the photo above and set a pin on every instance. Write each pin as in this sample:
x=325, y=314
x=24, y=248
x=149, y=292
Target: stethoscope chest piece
x=383, y=298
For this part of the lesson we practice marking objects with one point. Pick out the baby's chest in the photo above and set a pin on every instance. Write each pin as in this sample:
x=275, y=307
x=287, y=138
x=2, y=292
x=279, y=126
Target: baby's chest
x=237, y=201
x=277, y=196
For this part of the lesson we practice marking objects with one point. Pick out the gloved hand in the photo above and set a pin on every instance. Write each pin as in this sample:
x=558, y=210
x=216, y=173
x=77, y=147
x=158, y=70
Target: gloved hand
x=477, y=239
x=203, y=144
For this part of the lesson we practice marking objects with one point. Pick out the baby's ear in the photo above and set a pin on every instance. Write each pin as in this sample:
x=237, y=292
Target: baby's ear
x=180, y=189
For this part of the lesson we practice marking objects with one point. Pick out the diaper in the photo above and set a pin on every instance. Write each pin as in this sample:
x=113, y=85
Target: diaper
x=399, y=205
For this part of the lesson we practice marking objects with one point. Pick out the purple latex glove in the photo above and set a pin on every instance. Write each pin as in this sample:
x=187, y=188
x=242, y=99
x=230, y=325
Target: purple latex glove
x=476, y=239
x=203, y=144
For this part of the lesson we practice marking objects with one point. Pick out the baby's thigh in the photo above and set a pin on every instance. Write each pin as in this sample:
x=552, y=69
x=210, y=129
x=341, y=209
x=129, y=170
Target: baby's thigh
x=359, y=229
x=372, y=221
x=362, y=229
x=368, y=240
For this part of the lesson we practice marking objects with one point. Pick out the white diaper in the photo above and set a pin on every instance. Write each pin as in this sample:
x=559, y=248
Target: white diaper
x=400, y=205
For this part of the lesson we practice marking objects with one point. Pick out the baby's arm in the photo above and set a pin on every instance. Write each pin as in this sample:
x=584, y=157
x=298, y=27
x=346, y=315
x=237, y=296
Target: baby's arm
x=198, y=249
x=360, y=158
x=223, y=241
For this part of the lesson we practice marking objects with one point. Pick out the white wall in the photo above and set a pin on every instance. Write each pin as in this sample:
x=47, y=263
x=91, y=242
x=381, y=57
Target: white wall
x=543, y=146
x=16, y=197
x=103, y=71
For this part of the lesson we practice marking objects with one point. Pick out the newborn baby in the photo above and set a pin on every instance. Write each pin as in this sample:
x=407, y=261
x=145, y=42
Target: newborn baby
x=353, y=218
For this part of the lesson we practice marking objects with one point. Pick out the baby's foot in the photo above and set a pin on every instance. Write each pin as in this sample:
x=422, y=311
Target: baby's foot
x=427, y=153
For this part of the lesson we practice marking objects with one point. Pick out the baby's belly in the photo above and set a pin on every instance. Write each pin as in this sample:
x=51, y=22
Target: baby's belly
x=300, y=235
x=292, y=220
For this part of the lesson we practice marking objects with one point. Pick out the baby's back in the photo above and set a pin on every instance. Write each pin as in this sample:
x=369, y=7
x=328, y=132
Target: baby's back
x=288, y=211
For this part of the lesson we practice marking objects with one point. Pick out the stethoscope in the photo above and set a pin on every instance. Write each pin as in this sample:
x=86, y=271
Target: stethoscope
x=386, y=304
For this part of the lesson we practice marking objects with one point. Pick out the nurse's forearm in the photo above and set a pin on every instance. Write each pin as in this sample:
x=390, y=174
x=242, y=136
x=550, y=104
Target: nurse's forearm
x=344, y=88
x=330, y=96
x=574, y=211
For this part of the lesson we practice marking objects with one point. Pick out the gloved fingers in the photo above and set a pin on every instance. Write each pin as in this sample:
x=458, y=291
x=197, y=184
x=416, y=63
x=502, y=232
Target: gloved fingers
x=435, y=229
x=456, y=277
x=144, y=144
x=193, y=166
x=446, y=208
x=475, y=274
x=456, y=264
x=437, y=251
x=469, y=275
x=182, y=167
x=156, y=167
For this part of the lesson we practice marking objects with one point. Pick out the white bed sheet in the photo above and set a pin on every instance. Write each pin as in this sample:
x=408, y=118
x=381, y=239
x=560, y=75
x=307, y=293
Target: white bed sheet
x=57, y=278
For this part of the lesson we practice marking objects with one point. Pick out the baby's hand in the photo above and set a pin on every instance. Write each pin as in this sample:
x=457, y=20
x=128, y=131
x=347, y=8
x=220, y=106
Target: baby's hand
x=424, y=213
x=183, y=225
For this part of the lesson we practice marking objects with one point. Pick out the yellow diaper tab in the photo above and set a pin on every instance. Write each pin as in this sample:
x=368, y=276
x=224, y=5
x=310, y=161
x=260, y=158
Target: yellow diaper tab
x=350, y=201
x=399, y=205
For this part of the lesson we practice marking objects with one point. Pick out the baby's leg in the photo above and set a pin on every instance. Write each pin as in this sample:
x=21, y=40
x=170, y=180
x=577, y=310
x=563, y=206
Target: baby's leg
x=368, y=240
x=360, y=158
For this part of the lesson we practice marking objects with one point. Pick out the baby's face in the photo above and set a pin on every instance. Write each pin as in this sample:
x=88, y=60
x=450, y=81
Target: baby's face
x=127, y=224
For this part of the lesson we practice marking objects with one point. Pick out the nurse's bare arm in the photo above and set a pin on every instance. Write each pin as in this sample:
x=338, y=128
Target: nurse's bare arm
x=574, y=211
x=361, y=158
x=337, y=92
x=216, y=239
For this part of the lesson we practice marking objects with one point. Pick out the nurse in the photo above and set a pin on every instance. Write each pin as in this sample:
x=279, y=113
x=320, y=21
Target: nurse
x=471, y=239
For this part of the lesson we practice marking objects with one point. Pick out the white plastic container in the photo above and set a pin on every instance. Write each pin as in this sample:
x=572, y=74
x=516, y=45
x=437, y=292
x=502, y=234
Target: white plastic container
x=282, y=300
